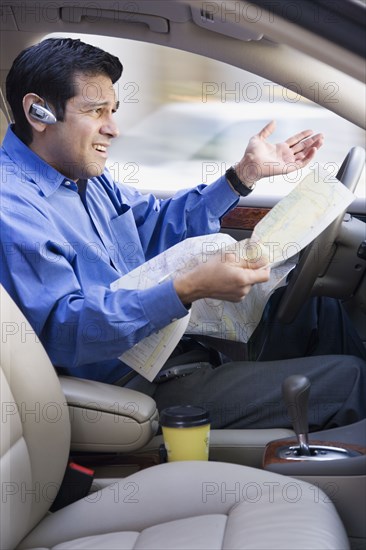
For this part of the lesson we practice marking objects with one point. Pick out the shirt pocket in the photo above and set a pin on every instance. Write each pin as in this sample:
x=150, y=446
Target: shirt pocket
x=127, y=251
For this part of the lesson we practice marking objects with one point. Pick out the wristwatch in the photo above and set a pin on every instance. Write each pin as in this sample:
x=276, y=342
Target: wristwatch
x=236, y=182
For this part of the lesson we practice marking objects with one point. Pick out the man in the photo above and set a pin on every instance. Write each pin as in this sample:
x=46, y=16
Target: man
x=68, y=231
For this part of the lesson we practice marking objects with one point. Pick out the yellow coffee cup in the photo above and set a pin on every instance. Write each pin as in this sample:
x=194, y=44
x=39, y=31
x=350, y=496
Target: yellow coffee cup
x=186, y=432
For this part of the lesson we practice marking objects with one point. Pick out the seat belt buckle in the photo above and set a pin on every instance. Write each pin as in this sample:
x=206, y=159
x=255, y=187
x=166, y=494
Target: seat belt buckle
x=75, y=485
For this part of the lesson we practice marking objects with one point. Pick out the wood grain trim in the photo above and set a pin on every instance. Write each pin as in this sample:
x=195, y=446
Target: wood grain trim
x=243, y=217
x=270, y=456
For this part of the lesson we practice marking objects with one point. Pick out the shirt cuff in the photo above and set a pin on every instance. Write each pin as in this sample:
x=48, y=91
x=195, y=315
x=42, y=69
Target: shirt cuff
x=162, y=304
x=220, y=197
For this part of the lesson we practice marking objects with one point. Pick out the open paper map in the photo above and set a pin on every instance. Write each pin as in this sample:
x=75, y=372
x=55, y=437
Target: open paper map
x=290, y=226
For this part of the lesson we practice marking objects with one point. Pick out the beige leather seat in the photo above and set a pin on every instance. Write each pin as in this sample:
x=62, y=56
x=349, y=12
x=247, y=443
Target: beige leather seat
x=187, y=505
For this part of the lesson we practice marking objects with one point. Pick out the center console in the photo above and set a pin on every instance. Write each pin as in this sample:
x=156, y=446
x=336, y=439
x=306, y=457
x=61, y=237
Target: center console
x=115, y=431
x=332, y=460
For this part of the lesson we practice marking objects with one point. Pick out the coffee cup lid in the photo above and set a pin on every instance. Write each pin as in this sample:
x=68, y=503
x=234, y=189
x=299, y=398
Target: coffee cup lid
x=183, y=416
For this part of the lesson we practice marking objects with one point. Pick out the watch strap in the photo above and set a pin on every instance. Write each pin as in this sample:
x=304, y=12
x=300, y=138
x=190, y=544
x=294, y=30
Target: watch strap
x=236, y=182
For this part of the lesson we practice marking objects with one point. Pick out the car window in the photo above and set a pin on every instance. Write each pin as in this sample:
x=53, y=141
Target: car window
x=185, y=118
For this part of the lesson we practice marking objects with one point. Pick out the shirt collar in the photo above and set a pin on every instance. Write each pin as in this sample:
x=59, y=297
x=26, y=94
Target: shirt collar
x=47, y=178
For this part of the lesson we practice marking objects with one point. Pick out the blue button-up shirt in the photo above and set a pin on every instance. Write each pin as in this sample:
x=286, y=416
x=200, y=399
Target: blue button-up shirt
x=60, y=251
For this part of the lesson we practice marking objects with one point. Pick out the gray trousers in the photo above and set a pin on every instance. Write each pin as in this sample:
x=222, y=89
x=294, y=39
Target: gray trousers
x=321, y=344
x=247, y=394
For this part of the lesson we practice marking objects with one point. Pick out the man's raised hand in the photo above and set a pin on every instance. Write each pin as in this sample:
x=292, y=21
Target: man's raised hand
x=263, y=159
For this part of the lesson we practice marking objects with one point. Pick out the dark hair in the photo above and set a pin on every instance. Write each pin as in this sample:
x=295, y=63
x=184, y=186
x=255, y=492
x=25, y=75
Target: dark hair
x=48, y=69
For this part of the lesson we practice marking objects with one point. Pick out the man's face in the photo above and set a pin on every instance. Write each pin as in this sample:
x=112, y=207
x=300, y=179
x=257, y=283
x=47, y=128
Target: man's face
x=77, y=147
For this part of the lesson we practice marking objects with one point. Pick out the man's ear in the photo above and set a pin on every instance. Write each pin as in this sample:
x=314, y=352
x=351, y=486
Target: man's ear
x=28, y=101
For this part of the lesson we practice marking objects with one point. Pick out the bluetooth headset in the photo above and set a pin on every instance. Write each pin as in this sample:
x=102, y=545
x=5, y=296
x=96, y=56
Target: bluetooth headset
x=42, y=114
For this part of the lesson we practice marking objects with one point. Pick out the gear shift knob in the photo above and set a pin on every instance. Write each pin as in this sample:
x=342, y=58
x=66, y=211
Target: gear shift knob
x=295, y=391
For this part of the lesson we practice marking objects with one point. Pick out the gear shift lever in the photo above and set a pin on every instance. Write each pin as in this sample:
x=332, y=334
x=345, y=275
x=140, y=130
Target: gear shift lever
x=295, y=391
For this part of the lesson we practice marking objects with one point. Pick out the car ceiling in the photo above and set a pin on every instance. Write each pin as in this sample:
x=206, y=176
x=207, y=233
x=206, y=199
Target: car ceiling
x=267, y=42
x=339, y=21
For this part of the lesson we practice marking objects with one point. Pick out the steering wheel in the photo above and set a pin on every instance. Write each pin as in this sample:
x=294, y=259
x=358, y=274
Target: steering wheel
x=316, y=257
